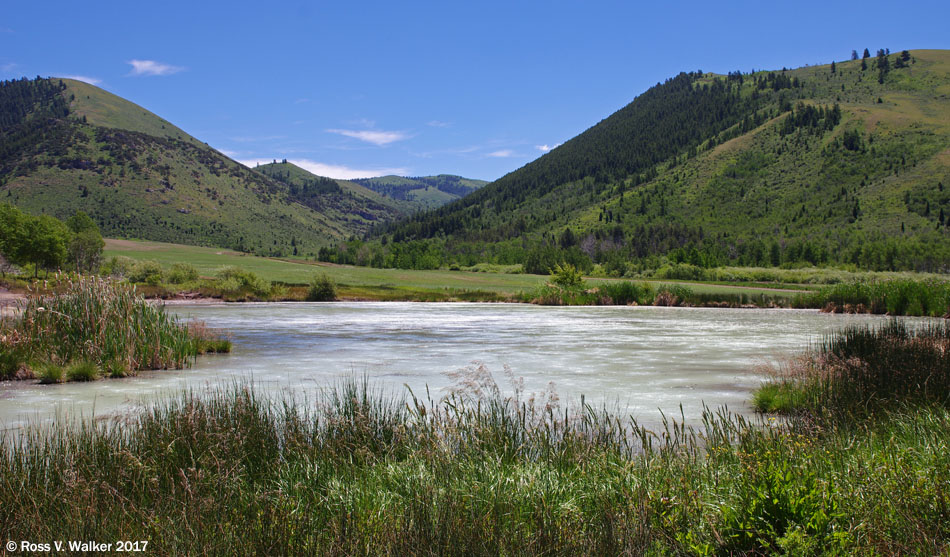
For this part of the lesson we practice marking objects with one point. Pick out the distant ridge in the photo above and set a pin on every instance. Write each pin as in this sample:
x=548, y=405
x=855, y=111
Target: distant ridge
x=66, y=145
x=423, y=192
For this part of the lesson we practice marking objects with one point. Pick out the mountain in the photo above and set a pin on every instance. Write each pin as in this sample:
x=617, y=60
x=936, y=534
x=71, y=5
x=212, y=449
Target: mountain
x=846, y=163
x=423, y=192
x=66, y=145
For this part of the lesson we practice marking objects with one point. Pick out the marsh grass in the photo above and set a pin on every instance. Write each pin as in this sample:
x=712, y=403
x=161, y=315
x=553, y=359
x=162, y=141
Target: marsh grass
x=93, y=326
x=480, y=471
x=861, y=369
x=913, y=297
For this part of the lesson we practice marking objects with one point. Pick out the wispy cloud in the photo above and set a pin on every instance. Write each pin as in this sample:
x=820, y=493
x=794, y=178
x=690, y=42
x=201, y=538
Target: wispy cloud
x=338, y=171
x=301, y=101
x=376, y=137
x=151, y=67
x=502, y=154
x=84, y=79
x=8, y=67
x=438, y=124
x=546, y=148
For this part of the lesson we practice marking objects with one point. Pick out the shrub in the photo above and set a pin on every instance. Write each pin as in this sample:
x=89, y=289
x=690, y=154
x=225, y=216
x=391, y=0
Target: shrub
x=567, y=276
x=181, y=273
x=148, y=272
x=234, y=280
x=322, y=289
x=118, y=266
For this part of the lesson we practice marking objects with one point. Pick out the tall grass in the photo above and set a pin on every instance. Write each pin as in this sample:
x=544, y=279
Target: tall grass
x=478, y=472
x=863, y=368
x=98, y=325
x=926, y=297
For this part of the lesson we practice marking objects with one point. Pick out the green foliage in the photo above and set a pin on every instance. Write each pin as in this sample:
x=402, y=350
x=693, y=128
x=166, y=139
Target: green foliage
x=99, y=322
x=82, y=371
x=479, y=472
x=865, y=369
x=181, y=273
x=146, y=272
x=50, y=373
x=67, y=145
x=914, y=297
x=567, y=276
x=321, y=289
x=236, y=281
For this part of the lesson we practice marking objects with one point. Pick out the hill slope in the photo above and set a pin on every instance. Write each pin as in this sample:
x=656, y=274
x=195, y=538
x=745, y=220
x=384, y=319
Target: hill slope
x=423, y=192
x=67, y=145
x=808, y=165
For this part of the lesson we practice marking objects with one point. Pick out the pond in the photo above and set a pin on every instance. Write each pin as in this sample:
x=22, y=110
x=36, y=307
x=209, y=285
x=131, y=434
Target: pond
x=635, y=360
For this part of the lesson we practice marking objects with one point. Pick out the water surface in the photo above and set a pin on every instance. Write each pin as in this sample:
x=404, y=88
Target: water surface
x=634, y=359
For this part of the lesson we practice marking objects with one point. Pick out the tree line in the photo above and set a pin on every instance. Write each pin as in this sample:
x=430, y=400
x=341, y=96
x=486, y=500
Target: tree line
x=47, y=243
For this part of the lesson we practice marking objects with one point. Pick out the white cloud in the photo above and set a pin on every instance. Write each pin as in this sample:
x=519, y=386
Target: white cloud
x=301, y=101
x=8, y=67
x=376, y=137
x=338, y=171
x=438, y=124
x=546, y=148
x=84, y=79
x=503, y=154
x=151, y=67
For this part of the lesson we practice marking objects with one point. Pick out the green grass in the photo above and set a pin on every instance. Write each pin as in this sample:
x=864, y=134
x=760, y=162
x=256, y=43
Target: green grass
x=396, y=284
x=864, y=369
x=88, y=324
x=359, y=472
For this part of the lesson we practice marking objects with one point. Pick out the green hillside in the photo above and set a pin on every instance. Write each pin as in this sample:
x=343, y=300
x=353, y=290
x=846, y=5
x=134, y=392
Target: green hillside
x=67, y=145
x=814, y=165
x=423, y=192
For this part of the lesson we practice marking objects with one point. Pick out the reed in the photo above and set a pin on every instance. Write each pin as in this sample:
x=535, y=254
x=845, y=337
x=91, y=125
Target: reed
x=913, y=297
x=93, y=325
x=478, y=472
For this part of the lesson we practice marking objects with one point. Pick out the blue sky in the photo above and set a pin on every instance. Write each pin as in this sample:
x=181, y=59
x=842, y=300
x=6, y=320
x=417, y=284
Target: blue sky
x=351, y=89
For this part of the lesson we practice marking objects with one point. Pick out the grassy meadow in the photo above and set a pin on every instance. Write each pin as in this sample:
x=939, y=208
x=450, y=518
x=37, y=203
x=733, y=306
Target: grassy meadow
x=398, y=284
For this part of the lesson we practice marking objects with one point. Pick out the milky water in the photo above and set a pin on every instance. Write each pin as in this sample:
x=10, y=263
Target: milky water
x=637, y=360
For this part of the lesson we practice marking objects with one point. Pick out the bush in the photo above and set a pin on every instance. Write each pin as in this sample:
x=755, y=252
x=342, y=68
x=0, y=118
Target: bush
x=118, y=266
x=567, y=276
x=148, y=272
x=181, y=273
x=322, y=289
x=234, y=280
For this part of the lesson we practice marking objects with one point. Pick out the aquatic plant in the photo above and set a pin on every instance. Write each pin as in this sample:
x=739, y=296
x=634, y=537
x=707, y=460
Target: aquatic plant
x=90, y=321
x=481, y=471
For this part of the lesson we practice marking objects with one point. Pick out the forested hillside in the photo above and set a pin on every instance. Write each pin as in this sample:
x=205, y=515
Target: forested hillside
x=423, y=192
x=67, y=146
x=844, y=163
